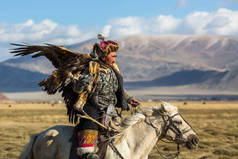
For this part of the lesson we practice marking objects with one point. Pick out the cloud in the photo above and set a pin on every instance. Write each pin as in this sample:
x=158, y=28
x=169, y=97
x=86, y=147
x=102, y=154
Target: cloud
x=164, y=24
x=221, y=22
x=181, y=3
x=136, y=25
x=46, y=30
x=127, y=26
x=37, y=33
x=106, y=30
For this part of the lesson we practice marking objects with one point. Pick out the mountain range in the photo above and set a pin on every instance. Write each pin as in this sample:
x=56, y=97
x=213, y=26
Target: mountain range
x=205, y=62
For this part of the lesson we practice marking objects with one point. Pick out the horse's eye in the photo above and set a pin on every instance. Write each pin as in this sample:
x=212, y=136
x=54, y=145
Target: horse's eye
x=177, y=122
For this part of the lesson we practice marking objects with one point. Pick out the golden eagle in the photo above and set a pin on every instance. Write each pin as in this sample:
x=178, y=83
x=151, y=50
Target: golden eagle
x=68, y=66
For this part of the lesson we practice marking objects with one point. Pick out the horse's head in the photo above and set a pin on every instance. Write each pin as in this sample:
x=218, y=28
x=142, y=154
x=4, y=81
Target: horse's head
x=175, y=127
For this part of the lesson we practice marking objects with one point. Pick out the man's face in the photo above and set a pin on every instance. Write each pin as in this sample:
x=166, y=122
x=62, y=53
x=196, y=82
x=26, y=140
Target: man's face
x=110, y=58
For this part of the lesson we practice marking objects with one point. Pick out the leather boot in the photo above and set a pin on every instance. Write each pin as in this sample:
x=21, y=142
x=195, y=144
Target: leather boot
x=89, y=156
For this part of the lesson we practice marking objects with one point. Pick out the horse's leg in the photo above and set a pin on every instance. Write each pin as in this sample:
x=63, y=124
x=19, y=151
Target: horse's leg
x=27, y=151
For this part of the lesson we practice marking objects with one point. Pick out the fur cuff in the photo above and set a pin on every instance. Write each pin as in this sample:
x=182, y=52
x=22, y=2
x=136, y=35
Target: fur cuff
x=84, y=150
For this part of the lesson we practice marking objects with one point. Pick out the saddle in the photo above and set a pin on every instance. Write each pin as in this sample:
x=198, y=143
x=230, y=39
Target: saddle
x=103, y=139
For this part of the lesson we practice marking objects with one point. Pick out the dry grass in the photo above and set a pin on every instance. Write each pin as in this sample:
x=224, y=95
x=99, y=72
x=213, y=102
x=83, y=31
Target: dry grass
x=216, y=124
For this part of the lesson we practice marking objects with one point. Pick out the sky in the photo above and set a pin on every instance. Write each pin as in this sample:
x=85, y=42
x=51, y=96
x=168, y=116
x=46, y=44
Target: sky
x=73, y=21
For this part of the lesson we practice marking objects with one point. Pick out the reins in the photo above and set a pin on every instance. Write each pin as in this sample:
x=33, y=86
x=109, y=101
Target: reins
x=169, y=124
x=165, y=128
x=115, y=150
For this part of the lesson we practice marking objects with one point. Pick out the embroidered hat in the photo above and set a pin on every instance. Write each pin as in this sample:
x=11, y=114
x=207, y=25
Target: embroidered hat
x=105, y=47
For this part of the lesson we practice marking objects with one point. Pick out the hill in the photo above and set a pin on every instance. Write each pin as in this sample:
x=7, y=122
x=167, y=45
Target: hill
x=196, y=61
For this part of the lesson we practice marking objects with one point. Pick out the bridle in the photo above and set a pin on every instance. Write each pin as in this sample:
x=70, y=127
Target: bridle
x=169, y=124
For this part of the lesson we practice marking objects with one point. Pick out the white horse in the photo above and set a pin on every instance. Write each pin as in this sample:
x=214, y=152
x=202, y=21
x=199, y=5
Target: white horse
x=140, y=134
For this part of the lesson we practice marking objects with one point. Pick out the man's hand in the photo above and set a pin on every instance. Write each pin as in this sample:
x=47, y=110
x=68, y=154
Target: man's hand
x=134, y=102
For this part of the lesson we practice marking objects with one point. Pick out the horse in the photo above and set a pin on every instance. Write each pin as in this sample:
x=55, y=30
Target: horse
x=138, y=135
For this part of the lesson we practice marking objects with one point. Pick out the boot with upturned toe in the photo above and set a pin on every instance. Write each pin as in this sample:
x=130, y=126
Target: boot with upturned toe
x=89, y=156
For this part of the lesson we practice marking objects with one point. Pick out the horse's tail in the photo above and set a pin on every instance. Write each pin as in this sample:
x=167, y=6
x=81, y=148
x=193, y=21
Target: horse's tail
x=27, y=152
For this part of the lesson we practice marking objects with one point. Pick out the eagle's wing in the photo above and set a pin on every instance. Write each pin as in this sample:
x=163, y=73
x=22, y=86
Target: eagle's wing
x=68, y=66
x=58, y=55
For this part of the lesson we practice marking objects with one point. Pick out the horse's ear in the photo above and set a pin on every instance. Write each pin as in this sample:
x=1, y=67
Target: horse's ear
x=162, y=107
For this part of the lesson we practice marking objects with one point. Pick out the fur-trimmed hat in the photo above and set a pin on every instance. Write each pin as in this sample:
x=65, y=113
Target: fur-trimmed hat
x=105, y=47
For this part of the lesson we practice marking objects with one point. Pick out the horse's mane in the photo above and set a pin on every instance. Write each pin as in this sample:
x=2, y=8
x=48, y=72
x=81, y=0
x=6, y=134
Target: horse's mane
x=131, y=121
